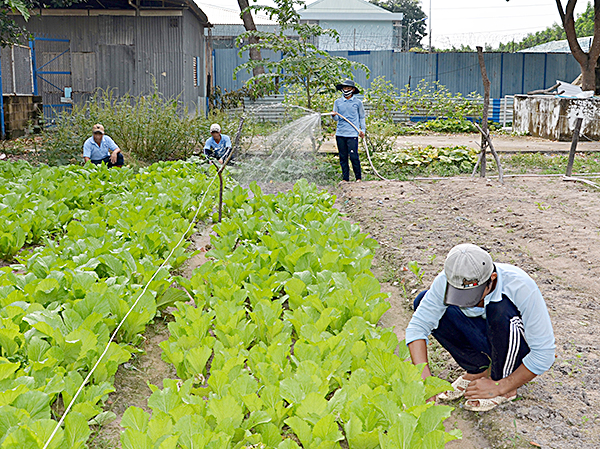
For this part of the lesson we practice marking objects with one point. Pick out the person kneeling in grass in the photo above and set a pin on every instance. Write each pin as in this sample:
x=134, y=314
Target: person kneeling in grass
x=100, y=149
x=492, y=319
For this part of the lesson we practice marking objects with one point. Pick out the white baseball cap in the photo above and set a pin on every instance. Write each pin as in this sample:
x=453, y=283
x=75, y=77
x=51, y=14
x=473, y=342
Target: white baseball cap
x=468, y=268
x=215, y=128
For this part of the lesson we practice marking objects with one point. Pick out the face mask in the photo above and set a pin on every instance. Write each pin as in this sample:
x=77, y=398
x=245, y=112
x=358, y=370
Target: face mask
x=347, y=93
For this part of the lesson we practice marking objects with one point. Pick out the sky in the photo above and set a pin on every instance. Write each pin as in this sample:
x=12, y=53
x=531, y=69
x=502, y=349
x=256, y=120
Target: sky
x=475, y=22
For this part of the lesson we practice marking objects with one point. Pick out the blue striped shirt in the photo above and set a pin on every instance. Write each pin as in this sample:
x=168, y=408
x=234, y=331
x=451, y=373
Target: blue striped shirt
x=354, y=111
x=520, y=289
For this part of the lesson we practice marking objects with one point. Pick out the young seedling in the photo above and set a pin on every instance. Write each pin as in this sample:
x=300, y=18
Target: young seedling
x=416, y=270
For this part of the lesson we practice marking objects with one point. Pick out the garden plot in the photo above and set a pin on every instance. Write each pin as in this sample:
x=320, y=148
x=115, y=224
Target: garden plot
x=549, y=228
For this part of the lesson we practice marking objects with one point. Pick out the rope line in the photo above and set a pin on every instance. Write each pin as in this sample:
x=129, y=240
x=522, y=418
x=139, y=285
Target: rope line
x=85, y=381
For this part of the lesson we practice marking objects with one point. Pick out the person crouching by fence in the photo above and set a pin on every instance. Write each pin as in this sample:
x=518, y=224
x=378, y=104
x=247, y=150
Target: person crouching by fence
x=349, y=112
x=100, y=149
x=218, y=145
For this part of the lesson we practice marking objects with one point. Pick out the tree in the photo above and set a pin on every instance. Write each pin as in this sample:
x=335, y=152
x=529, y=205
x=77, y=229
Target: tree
x=10, y=32
x=302, y=64
x=413, y=14
x=250, y=26
x=588, y=60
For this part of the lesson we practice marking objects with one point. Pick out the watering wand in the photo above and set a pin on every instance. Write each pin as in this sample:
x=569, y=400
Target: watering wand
x=364, y=141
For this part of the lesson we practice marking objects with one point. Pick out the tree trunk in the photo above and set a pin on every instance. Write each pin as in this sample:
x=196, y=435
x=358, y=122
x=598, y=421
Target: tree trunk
x=250, y=26
x=587, y=61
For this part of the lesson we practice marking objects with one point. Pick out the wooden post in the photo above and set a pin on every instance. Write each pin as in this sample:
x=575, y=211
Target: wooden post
x=574, y=146
x=488, y=139
x=486, y=103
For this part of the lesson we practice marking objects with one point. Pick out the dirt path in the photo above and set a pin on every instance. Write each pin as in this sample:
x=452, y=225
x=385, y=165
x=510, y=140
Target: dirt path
x=549, y=228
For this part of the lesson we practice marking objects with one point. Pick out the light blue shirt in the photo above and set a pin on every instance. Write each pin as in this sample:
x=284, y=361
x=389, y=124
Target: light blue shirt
x=98, y=152
x=354, y=111
x=221, y=149
x=520, y=289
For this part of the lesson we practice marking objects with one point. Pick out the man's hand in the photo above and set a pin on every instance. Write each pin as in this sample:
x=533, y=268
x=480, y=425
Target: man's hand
x=333, y=114
x=484, y=388
x=113, y=157
x=361, y=134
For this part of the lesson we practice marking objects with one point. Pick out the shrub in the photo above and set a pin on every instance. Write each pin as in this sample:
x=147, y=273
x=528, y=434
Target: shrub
x=435, y=100
x=147, y=128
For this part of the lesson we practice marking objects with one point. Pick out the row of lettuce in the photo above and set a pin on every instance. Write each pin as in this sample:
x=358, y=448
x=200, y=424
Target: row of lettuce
x=93, y=238
x=281, y=348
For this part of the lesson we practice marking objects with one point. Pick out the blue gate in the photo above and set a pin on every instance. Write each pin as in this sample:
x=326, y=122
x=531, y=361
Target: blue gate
x=52, y=78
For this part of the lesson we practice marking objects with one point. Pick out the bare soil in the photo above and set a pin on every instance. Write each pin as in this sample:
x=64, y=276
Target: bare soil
x=546, y=226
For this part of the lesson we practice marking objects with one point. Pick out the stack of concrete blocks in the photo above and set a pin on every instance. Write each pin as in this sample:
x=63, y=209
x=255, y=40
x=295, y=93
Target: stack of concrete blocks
x=22, y=113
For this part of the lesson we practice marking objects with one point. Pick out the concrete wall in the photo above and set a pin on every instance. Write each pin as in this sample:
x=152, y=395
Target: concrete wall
x=554, y=118
x=20, y=111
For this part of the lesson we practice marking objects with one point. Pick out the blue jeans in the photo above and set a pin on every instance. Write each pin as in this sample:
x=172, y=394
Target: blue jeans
x=477, y=343
x=348, y=146
x=120, y=161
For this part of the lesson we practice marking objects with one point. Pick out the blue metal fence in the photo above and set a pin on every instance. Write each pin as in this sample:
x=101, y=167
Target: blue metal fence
x=509, y=73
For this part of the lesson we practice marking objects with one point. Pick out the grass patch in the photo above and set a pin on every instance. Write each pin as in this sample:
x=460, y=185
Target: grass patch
x=541, y=163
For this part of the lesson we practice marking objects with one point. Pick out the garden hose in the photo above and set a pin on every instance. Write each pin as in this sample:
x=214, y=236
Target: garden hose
x=364, y=141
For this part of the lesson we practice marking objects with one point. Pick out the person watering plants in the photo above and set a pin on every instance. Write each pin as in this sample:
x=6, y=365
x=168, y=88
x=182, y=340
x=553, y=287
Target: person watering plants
x=492, y=319
x=100, y=149
x=349, y=112
x=218, y=145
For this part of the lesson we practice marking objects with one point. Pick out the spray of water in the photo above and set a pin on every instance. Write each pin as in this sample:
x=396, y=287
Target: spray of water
x=286, y=155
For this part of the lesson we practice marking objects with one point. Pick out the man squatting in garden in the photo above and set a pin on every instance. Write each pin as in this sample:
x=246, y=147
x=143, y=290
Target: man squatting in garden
x=492, y=319
x=218, y=145
x=100, y=149
x=346, y=135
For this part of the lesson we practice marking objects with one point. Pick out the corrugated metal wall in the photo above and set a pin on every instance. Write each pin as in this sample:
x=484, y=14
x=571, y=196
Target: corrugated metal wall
x=509, y=73
x=125, y=53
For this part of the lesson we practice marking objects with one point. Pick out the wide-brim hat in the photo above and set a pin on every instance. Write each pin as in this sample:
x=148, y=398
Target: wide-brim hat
x=348, y=83
x=468, y=268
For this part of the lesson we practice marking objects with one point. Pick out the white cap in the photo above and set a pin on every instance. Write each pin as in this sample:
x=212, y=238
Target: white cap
x=468, y=268
x=215, y=128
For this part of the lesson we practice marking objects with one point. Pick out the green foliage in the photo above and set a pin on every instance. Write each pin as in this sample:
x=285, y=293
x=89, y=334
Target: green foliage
x=381, y=100
x=301, y=65
x=409, y=162
x=147, y=128
x=282, y=346
x=435, y=100
x=105, y=233
x=10, y=32
x=448, y=125
x=413, y=14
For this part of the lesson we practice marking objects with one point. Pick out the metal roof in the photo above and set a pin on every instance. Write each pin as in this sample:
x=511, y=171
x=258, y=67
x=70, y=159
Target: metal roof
x=559, y=46
x=217, y=15
x=347, y=10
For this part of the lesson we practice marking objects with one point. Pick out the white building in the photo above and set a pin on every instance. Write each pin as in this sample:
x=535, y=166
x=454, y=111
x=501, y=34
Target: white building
x=362, y=26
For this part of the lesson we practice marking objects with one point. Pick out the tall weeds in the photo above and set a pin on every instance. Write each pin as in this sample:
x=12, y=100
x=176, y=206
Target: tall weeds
x=147, y=128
